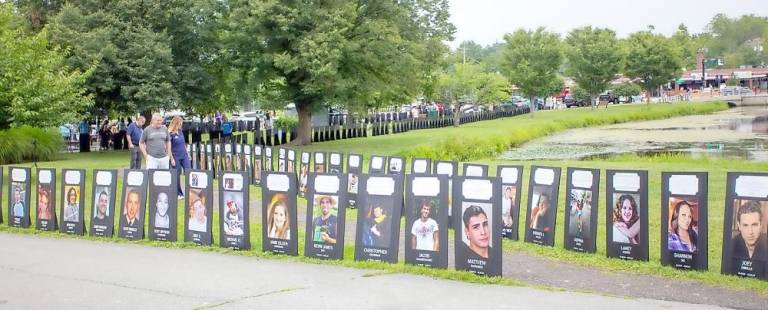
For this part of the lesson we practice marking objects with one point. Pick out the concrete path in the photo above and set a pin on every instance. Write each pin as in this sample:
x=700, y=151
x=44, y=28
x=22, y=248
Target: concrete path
x=45, y=273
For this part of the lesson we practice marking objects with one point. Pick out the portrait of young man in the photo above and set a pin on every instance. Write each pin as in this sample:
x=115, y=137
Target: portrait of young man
x=477, y=230
x=424, y=231
x=131, y=216
x=750, y=239
x=325, y=223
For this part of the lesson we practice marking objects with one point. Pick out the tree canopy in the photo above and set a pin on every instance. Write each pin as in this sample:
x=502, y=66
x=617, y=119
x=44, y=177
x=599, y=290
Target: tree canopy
x=531, y=61
x=653, y=59
x=356, y=54
x=594, y=58
x=36, y=86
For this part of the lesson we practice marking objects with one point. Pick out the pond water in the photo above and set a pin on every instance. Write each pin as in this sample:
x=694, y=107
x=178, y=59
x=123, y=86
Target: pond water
x=735, y=133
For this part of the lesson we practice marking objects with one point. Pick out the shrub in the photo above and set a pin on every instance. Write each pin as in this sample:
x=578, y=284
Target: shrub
x=27, y=143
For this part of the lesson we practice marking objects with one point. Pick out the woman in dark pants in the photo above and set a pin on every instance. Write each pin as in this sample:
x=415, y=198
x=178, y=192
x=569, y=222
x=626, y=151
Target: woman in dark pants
x=179, y=157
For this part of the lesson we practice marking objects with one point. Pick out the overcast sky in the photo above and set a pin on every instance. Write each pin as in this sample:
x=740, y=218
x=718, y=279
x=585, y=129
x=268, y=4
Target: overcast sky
x=486, y=21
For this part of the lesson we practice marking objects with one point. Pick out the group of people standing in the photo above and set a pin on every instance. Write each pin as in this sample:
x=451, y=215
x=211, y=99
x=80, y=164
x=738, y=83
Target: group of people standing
x=159, y=146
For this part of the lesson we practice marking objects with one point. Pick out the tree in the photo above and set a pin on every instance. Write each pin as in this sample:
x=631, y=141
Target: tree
x=594, y=59
x=687, y=46
x=355, y=54
x=653, y=59
x=531, y=62
x=627, y=89
x=148, y=55
x=493, y=88
x=36, y=87
x=466, y=83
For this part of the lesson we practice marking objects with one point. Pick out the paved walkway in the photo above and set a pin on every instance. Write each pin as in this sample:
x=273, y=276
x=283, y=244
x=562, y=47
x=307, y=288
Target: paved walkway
x=43, y=273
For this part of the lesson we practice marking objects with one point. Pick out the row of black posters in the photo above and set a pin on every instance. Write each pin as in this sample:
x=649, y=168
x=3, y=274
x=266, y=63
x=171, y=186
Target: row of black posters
x=426, y=212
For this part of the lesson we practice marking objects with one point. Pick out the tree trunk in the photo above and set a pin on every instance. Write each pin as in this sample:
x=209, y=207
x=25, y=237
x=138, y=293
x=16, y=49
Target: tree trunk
x=304, y=131
x=648, y=96
x=148, y=117
x=593, y=101
x=533, y=106
x=457, y=115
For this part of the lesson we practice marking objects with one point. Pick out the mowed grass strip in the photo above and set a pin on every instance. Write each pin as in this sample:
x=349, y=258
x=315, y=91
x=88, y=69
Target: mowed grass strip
x=486, y=139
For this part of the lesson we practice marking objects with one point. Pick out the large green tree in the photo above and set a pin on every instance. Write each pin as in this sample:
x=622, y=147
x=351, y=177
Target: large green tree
x=653, y=59
x=594, y=58
x=355, y=54
x=531, y=61
x=36, y=86
x=148, y=55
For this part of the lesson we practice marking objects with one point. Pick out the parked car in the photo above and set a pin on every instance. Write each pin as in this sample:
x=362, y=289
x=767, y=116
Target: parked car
x=608, y=97
x=569, y=101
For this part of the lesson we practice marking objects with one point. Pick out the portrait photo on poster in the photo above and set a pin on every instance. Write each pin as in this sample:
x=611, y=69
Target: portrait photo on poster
x=46, y=200
x=233, y=211
x=18, y=212
x=199, y=208
x=684, y=217
x=279, y=216
x=581, y=209
x=131, y=221
x=326, y=213
x=511, y=177
x=745, y=235
x=627, y=216
x=476, y=204
x=426, y=228
x=542, y=205
x=378, y=226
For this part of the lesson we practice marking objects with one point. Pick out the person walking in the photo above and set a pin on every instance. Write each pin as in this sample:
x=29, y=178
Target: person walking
x=180, y=159
x=133, y=135
x=155, y=144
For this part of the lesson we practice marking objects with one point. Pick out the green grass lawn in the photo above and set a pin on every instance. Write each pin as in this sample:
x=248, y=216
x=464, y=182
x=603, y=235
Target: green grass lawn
x=402, y=143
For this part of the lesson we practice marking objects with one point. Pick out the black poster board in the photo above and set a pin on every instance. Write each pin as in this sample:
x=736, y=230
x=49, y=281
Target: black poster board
x=198, y=215
x=511, y=191
x=1, y=193
x=684, y=220
x=131, y=224
x=281, y=157
x=475, y=170
x=258, y=164
x=544, y=186
x=354, y=170
x=378, y=220
x=627, y=215
x=194, y=156
x=291, y=162
x=320, y=162
x=326, y=214
x=279, y=218
x=162, y=205
x=103, y=208
x=377, y=165
x=234, y=221
x=581, y=209
x=18, y=197
x=46, y=199
x=208, y=164
x=421, y=166
x=248, y=160
x=218, y=158
x=304, y=172
x=268, y=165
x=477, y=205
x=237, y=161
x=335, y=163
x=227, y=153
x=396, y=165
x=450, y=169
x=426, y=220
x=72, y=212
x=745, y=231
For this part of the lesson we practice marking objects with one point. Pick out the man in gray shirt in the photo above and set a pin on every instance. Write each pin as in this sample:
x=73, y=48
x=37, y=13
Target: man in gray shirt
x=156, y=144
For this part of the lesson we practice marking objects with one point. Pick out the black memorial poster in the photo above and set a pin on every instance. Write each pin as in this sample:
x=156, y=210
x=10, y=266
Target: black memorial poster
x=511, y=183
x=1, y=194
x=248, y=160
x=233, y=211
x=377, y=164
x=396, y=165
x=684, y=220
x=745, y=233
x=199, y=207
x=354, y=170
x=103, y=208
x=46, y=199
x=475, y=170
x=450, y=169
x=291, y=162
x=258, y=164
x=335, y=163
x=426, y=220
x=421, y=166
x=320, y=163
x=72, y=210
x=281, y=157
x=18, y=197
x=304, y=172
x=580, y=222
x=627, y=214
x=268, y=165
x=279, y=218
x=163, y=191
x=380, y=202
x=326, y=211
x=544, y=185
x=131, y=224
x=477, y=216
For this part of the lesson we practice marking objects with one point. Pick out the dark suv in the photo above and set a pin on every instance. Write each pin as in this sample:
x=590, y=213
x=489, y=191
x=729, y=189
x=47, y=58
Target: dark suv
x=608, y=97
